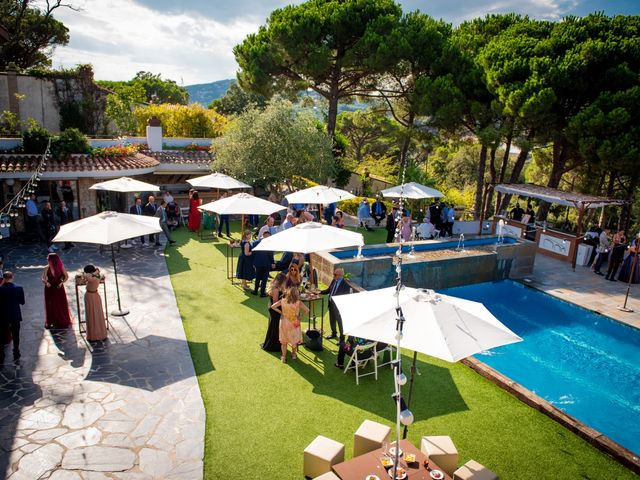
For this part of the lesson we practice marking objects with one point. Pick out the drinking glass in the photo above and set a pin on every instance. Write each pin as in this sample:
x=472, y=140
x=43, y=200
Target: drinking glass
x=384, y=448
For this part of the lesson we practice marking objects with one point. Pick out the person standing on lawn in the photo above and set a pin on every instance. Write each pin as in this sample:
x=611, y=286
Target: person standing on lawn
x=290, y=332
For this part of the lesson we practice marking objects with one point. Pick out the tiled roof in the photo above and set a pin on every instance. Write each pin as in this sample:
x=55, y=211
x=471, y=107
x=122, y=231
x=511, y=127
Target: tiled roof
x=181, y=157
x=16, y=164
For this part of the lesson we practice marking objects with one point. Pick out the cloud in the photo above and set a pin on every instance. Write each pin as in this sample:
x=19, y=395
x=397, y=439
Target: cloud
x=192, y=40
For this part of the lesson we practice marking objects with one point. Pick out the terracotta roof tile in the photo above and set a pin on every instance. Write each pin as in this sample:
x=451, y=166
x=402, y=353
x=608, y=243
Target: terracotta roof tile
x=181, y=157
x=14, y=163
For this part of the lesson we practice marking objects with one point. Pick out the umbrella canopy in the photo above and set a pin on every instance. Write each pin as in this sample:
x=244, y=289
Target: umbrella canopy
x=320, y=194
x=241, y=204
x=441, y=326
x=411, y=190
x=107, y=228
x=217, y=180
x=310, y=237
x=125, y=184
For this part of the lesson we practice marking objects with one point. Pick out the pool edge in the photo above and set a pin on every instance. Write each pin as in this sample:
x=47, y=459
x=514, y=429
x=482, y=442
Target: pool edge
x=603, y=443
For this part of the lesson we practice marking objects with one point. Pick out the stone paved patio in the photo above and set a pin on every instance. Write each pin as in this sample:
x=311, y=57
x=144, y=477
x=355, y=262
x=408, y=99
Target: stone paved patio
x=129, y=409
x=586, y=289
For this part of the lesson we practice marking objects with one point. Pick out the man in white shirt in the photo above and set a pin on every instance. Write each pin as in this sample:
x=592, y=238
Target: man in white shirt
x=603, y=251
x=426, y=230
x=289, y=222
x=268, y=227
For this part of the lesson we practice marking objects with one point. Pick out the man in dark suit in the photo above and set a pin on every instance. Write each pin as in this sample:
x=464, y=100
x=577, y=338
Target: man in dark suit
x=66, y=216
x=150, y=210
x=282, y=265
x=11, y=297
x=378, y=210
x=392, y=222
x=263, y=262
x=338, y=286
x=137, y=209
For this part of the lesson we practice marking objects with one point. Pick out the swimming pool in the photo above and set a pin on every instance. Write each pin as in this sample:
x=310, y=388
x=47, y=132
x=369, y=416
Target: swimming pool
x=420, y=247
x=581, y=362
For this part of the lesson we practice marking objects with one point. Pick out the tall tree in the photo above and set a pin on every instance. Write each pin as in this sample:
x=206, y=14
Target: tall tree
x=325, y=45
x=32, y=33
x=156, y=90
x=236, y=101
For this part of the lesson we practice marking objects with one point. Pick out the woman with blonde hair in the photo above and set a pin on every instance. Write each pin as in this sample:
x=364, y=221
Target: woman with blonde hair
x=244, y=269
x=290, y=332
x=294, y=279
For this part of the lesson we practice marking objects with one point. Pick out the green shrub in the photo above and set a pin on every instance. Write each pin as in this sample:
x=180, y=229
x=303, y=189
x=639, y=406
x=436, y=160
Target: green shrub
x=9, y=123
x=35, y=139
x=68, y=142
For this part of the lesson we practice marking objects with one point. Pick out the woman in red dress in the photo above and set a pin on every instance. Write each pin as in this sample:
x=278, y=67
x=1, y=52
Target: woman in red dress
x=55, y=298
x=194, y=213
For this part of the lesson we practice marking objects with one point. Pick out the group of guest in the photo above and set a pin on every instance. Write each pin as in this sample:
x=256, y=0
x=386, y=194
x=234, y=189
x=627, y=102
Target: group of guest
x=154, y=208
x=43, y=223
x=56, y=307
x=612, y=250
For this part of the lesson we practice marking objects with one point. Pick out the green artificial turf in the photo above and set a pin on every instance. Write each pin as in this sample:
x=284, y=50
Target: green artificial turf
x=261, y=414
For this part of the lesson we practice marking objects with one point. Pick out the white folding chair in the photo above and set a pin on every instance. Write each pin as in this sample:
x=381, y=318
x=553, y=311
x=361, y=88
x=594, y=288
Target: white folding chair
x=184, y=215
x=379, y=353
x=359, y=359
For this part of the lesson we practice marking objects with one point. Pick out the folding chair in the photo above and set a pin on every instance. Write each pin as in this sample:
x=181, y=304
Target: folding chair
x=380, y=351
x=360, y=357
x=184, y=215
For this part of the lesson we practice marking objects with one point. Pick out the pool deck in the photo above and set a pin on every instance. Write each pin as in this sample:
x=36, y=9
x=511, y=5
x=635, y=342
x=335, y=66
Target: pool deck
x=586, y=289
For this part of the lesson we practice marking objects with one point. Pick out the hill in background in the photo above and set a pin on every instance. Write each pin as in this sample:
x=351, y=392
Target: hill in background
x=205, y=93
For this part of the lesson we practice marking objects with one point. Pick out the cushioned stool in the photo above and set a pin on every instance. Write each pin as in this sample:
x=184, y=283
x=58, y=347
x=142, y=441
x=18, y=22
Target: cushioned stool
x=369, y=437
x=441, y=450
x=472, y=470
x=328, y=476
x=320, y=455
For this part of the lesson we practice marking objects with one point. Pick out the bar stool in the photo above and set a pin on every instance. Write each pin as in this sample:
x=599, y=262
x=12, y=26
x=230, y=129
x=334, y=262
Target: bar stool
x=472, y=470
x=441, y=450
x=369, y=437
x=320, y=455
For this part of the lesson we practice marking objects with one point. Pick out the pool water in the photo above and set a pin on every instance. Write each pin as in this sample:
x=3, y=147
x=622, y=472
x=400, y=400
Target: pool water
x=420, y=247
x=583, y=363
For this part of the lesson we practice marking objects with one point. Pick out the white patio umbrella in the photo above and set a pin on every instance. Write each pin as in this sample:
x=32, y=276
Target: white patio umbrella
x=310, y=237
x=319, y=194
x=441, y=326
x=242, y=204
x=411, y=190
x=217, y=180
x=125, y=184
x=107, y=228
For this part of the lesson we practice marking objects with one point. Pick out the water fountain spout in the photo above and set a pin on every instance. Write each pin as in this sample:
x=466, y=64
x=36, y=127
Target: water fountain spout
x=460, y=247
x=413, y=240
x=359, y=254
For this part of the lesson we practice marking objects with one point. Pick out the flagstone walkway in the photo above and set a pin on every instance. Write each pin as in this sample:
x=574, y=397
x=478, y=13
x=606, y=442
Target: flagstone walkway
x=586, y=289
x=129, y=409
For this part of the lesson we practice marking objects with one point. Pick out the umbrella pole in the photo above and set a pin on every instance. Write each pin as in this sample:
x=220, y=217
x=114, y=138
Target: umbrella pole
x=119, y=312
x=413, y=376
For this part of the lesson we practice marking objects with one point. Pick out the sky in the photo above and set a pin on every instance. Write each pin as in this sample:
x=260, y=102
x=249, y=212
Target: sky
x=191, y=41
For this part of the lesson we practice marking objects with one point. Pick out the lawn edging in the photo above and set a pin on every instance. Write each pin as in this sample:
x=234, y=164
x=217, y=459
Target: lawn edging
x=621, y=454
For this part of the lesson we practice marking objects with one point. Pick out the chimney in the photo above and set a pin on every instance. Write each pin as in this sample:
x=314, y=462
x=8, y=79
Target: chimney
x=154, y=134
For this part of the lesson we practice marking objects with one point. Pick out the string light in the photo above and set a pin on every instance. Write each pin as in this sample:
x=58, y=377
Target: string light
x=18, y=201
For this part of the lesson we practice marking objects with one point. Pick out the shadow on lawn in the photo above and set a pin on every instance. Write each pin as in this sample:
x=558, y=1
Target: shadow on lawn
x=434, y=391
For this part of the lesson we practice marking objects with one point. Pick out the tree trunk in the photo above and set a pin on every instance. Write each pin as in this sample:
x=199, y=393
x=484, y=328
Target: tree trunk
x=557, y=170
x=608, y=194
x=332, y=114
x=482, y=165
x=406, y=141
x=517, y=170
x=503, y=168
x=492, y=179
x=625, y=215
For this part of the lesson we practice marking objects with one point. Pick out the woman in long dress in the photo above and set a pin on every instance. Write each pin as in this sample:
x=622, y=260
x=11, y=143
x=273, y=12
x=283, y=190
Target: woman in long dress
x=94, y=314
x=244, y=269
x=272, y=338
x=194, y=213
x=290, y=332
x=293, y=278
x=628, y=264
x=55, y=298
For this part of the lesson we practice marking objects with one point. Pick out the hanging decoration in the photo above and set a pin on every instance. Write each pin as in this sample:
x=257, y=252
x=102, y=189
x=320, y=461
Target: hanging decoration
x=18, y=202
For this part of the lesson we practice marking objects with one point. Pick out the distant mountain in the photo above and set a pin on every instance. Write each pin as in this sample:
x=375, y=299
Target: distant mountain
x=205, y=93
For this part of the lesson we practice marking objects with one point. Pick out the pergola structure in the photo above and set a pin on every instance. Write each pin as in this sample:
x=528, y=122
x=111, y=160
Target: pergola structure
x=580, y=201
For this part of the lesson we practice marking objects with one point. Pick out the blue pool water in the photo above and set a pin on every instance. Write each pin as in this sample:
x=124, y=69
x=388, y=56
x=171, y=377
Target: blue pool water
x=419, y=247
x=581, y=362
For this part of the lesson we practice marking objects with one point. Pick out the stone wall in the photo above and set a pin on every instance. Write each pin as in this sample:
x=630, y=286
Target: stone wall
x=86, y=197
x=36, y=98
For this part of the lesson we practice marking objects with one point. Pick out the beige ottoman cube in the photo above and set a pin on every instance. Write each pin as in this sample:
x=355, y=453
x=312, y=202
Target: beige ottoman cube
x=320, y=455
x=328, y=476
x=369, y=437
x=472, y=470
x=442, y=451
